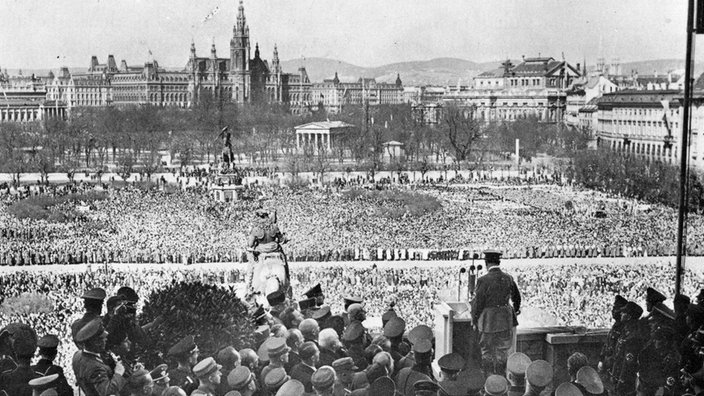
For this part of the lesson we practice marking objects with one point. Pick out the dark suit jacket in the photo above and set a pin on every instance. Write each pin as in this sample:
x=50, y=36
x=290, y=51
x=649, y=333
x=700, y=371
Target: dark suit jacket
x=491, y=311
x=303, y=372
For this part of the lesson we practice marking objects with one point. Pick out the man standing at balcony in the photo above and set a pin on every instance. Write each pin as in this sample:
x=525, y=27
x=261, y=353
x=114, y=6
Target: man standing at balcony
x=493, y=315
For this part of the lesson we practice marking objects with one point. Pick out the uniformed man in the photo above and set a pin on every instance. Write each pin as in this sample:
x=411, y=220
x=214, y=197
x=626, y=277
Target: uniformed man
x=659, y=313
x=43, y=384
x=357, y=314
x=94, y=376
x=48, y=349
x=316, y=292
x=160, y=376
x=140, y=383
x=353, y=340
x=516, y=373
x=185, y=352
x=323, y=381
x=606, y=357
x=689, y=349
x=16, y=381
x=209, y=376
x=7, y=362
x=629, y=344
x=424, y=387
x=309, y=360
x=495, y=385
x=93, y=304
x=348, y=379
x=450, y=365
x=589, y=382
x=568, y=389
x=291, y=388
x=277, y=351
x=472, y=381
x=538, y=376
x=493, y=316
x=321, y=315
x=393, y=330
x=242, y=380
x=658, y=363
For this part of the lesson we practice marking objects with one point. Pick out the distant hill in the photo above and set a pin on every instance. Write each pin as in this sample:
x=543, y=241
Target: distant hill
x=439, y=71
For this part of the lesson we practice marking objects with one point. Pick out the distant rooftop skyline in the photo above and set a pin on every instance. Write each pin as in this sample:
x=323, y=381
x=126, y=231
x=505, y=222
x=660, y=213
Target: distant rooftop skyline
x=46, y=35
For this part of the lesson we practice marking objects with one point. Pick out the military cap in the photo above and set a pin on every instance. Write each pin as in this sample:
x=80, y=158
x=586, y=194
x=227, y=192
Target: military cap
x=234, y=393
x=539, y=373
x=422, y=387
x=451, y=362
x=227, y=356
x=382, y=386
x=420, y=332
x=263, y=350
x=94, y=294
x=239, y=377
x=276, y=346
x=386, y=316
x=114, y=301
x=306, y=304
x=653, y=296
x=292, y=387
x=472, y=379
x=307, y=349
x=354, y=310
x=314, y=291
x=632, y=309
x=664, y=310
x=422, y=346
x=321, y=312
x=160, y=372
x=353, y=331
x=492, y=256
x=406, y=378
x=567, y=389
x=43, y=383
x=518, y=363
x=49, y=392
x=276, y=378
x=186, y=346
x=349, y=300
x=323, y=378
x=345, y=363
x=495, y=385
x=128, y=293
x=139, y=379
x=394, y=327
x=590, y=380
x=49, y=341
x=94, y=328
x=276, y=298
x=206, y=367
x=619, y=301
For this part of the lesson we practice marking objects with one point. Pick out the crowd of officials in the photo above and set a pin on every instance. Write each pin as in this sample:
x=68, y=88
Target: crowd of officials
x=410, y=292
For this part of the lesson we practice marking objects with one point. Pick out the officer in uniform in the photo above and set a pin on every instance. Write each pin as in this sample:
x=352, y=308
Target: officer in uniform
x=16, y=382
x=140, y=383
x=538, y=376
x=495, y=385
x=394, y=330
x=185, y=352
x=161, y=379
x=47, y=384
x=93, y=304
x=629, y=344
x=658, y=363
x=450, y=365
x=94, y=376
x=492, y=314
x=209, y=375
x=516, y=373
x=48, y=347
x=589, y=382
x=606, y=357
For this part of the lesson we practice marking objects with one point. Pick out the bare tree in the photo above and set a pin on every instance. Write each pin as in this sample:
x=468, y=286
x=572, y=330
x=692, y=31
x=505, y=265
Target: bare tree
x=461, y=130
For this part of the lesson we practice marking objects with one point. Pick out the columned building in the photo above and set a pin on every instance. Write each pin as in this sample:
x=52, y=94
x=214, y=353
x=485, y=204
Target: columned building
x=319, y=135
x=333, y=94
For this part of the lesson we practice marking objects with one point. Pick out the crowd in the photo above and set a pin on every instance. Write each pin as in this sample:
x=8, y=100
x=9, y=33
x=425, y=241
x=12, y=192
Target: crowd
x=142, y=226
x=568, y=295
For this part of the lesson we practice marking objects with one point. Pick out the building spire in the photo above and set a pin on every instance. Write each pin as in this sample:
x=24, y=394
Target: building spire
x=241, y=19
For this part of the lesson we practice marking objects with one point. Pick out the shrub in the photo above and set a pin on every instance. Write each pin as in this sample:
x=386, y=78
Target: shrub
x=25, y=304
x=214, y=315
x=42, y=207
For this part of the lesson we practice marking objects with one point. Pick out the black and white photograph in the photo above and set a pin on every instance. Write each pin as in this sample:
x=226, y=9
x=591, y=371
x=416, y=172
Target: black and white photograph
x=370, y=198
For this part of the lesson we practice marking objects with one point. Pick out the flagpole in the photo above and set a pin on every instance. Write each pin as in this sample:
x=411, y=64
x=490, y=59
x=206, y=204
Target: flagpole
x=684, y=150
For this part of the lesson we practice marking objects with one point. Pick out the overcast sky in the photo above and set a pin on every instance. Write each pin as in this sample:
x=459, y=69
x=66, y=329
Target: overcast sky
x=48, y=33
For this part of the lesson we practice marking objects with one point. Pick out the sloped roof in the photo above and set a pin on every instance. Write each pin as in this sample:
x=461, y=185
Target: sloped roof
x=499, y=72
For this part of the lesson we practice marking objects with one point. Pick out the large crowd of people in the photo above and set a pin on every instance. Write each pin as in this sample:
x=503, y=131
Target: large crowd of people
x=147, y=225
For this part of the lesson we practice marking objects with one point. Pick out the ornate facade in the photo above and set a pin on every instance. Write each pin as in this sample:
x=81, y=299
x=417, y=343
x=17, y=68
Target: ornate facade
x=332, y=94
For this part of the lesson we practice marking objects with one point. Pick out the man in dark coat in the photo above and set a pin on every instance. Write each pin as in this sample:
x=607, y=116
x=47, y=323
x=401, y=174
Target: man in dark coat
x=94, y=376
x=492, y=314
x=606, y=357
x=48, y=347
x=93, y=303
